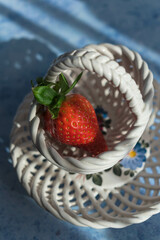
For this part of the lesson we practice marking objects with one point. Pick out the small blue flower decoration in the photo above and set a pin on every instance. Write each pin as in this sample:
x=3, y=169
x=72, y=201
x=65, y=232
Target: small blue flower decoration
x=135, y=158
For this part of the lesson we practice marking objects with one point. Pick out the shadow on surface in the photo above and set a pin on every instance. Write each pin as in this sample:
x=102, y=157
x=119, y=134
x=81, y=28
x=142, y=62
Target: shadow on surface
x=138, y=20
x=21, y=61
x=84, y=28
x=142, y=231
x=35, y=29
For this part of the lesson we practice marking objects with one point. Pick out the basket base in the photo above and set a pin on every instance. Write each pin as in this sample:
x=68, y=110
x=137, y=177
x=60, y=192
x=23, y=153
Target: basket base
x=99, y=200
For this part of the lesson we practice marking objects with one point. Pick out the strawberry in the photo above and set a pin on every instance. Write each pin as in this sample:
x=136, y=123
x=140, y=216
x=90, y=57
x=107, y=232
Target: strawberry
x=69, y=119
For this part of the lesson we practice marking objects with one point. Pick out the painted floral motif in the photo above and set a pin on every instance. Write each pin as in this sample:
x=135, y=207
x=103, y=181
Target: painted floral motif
x=135, y=158
x=96, y=178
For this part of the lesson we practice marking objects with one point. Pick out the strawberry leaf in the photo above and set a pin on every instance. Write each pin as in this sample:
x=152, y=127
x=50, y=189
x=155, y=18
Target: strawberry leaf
x=57, y=86
x=54, y=107
x=44, y=95
x=32, y=84
x=51, y=94
x=59, y=102
x=74, y=83
x=63, y=83
x=54, y=112
x=39, y=80
x=42, y=82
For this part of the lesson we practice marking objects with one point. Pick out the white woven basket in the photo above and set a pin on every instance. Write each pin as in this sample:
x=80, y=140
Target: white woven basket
x=115, y=78
x=80, y=202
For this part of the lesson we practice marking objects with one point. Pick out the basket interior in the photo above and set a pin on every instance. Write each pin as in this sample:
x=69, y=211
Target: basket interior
x=100, y=93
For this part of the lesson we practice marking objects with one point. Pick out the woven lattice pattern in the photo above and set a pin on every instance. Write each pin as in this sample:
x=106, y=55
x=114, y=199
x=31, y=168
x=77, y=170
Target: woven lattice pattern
x=115, y=78
x=57, y=191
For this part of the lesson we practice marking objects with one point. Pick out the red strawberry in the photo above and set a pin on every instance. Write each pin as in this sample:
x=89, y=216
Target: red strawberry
x=70, y=119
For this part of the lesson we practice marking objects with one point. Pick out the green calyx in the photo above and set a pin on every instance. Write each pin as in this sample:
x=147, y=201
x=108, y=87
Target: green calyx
x=52, y=95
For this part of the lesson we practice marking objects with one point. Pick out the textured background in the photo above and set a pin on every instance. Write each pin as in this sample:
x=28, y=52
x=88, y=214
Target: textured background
x=32, y=34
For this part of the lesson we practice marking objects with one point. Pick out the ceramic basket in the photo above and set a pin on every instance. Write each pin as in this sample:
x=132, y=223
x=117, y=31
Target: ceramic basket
x=115, y=78
x=76, y=199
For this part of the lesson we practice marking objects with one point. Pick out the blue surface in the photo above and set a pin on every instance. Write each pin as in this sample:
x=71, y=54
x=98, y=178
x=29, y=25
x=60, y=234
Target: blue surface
x=32, y=33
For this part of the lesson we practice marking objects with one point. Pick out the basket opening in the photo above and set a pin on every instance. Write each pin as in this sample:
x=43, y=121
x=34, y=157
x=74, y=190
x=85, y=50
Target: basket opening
x=100, y=93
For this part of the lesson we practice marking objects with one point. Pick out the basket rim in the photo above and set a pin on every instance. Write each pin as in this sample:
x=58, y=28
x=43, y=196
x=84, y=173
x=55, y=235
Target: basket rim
x=106, y=159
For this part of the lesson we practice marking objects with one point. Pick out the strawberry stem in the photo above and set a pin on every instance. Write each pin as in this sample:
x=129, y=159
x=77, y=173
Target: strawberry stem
x=52, y=95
